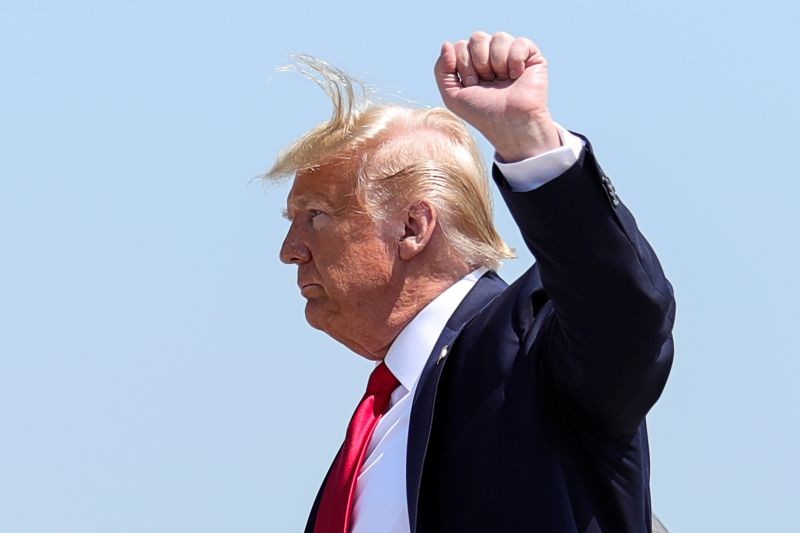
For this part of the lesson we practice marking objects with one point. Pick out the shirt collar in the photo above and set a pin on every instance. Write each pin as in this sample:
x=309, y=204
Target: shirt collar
x=410, y=350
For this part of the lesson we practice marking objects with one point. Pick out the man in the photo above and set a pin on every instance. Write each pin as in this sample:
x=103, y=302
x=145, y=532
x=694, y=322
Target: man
x=494, y=407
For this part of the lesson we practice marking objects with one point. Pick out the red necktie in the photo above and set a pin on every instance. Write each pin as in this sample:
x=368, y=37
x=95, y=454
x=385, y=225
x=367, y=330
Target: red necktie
x=336, y=506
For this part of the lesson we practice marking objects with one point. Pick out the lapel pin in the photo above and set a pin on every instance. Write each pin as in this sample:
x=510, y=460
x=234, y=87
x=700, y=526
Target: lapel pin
x=442, y=354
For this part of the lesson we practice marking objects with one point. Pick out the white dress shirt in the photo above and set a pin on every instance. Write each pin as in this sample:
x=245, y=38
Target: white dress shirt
x=380, y=504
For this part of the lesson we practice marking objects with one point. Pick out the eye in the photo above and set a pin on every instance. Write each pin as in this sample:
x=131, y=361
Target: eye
x=316, y=217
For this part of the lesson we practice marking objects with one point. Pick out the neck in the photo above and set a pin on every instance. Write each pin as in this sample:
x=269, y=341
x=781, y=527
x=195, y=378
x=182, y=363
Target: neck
x=416, y=293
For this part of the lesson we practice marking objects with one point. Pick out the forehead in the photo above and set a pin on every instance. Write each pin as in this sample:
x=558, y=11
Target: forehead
x=333, y=184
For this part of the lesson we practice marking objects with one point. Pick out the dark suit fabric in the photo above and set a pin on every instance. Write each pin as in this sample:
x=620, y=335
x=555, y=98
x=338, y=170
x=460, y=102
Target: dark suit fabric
x=534, y=421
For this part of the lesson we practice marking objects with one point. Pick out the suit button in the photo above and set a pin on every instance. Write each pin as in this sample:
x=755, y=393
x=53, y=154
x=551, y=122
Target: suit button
x=610, y=190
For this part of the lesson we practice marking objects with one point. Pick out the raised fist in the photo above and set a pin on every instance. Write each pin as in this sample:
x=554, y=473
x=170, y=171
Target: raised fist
x=498, y=83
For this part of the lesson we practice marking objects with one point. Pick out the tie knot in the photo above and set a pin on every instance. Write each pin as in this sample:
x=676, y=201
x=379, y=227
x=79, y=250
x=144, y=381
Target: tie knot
x=381, y=382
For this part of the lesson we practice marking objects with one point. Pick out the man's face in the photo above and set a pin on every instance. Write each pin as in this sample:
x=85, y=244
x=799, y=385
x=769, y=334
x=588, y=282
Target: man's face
x=344, y=259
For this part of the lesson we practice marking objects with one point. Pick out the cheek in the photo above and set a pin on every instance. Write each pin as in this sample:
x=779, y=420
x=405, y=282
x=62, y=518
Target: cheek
x=363, y=269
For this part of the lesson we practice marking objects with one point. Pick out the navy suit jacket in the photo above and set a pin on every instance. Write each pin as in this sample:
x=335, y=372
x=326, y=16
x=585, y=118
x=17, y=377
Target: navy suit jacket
x=534, y=419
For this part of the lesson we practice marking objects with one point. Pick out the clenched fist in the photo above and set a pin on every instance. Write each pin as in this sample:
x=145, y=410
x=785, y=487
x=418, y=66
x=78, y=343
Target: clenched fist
x=498, y=83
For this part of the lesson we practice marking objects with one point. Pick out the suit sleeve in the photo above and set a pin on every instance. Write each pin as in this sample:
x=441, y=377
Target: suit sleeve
x=607, y=350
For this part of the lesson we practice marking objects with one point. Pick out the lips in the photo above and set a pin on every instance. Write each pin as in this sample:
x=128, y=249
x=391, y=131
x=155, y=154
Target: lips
x=301, y=283
x=308, y=286
x=310, y=290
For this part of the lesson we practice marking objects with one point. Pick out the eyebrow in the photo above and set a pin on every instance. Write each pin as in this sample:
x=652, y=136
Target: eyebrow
x=302, y=201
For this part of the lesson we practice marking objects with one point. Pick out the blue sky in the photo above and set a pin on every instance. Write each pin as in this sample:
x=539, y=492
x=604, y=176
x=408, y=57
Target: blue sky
x=156, y=373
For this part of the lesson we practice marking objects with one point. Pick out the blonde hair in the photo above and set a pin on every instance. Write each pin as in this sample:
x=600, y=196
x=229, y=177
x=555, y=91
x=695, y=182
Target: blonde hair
x=399, y=154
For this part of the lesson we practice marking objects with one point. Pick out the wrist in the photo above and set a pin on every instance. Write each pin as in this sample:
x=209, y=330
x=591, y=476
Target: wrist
x=527, y=139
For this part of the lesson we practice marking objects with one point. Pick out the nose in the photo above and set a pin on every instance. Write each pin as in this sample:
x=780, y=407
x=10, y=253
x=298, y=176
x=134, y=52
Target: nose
x=294, y=250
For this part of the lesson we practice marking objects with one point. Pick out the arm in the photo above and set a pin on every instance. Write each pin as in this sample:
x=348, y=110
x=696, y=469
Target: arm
x=608, y=349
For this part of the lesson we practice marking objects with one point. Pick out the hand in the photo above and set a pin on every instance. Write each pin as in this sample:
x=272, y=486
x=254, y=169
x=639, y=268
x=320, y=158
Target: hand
x=498, y=84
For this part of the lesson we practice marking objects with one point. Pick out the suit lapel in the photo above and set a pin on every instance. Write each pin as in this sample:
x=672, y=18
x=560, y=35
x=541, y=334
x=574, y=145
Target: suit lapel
x=312, y=516
x=420, y=423
x=484, y=291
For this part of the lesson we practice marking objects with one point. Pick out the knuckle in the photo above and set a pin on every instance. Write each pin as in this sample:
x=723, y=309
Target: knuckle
x=499, y=55
x=479, y=37
x=461, y=50
x=502, y=36
x=518, y=50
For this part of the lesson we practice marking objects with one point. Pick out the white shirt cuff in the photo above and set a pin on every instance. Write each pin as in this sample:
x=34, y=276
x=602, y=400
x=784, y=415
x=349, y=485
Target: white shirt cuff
x=532, y=173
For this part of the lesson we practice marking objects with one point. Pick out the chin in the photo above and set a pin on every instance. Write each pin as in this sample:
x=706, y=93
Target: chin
x=316, y=317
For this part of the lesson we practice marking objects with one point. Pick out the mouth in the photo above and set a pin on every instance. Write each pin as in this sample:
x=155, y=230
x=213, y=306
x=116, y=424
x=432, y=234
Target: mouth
x=310, y=290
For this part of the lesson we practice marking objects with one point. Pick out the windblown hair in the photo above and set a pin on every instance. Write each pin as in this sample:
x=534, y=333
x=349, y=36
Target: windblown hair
x=400, y=154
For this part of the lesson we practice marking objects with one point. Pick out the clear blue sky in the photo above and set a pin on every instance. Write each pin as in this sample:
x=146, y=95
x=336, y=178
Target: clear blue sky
x=156, y=372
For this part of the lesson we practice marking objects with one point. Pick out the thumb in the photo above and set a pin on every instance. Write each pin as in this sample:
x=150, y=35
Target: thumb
x=445, y=71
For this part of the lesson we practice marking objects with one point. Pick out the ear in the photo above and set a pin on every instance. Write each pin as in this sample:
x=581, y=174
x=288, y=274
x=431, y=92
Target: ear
x=420, y=222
